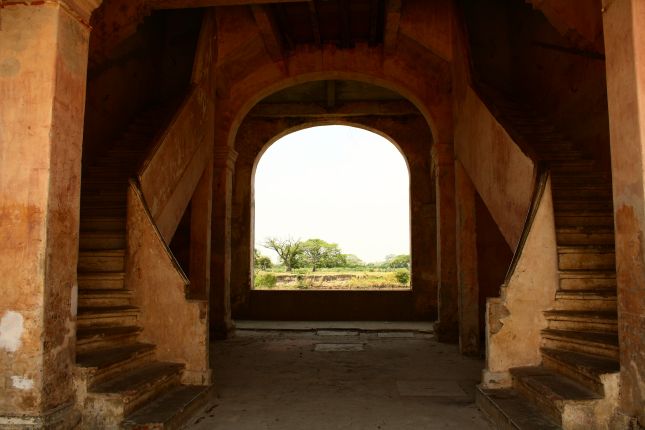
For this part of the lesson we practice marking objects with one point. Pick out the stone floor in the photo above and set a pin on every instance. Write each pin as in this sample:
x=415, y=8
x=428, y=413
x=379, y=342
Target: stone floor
x=340, y=378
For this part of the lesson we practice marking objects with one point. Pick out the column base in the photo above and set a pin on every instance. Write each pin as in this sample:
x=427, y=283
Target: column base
x=61, y=418
x=446, y=332
x=222, y=330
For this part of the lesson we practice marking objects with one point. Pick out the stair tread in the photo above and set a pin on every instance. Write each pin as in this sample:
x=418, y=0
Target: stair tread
x=608, y=315
x=589, y=294
x=107, y=357
x=591, y=365
x=90, y=332
x=586, y=248
x=609, y=274
x=167, y=407
x=101, y=275
x=98, y=292
x=131, y=382
x=608, y=339
x=516, y=410
x=89, y=311
x=556, y=388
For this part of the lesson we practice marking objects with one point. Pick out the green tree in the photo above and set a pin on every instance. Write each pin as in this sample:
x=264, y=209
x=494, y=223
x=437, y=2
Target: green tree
x=260, y=261
x=319, y=253
x=288, y=250
x=353, y=261
x=398, y=261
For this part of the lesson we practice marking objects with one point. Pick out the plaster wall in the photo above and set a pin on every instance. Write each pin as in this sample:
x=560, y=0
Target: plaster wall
x=502, y=174
x=42, y=94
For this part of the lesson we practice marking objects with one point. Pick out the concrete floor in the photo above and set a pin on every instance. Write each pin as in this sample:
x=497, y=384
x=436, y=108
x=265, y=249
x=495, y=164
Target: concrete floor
x=321, y=378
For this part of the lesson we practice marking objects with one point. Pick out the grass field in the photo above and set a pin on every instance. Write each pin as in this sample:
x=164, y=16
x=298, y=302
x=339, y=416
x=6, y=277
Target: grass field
x=332, y=280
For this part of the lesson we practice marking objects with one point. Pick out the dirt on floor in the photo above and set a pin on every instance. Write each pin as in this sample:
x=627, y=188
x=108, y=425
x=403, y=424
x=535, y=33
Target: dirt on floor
x=340, y=379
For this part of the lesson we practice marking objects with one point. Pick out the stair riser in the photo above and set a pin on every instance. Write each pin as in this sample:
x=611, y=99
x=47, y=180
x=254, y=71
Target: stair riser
x=153, y=391
x=582, y=206
x=104, y=211
x=584, y=221
x=102, y=241
x=538, y=400
x=501, y=421
x=585, y=238
x=590, y=283
x=83, y=346
x=587, y=348
x=586, y=261
x=562, y=368
x=586, y=304
x=105, y=301
x=579, y=325
x=86, y=283
x=578, y=193
x=101, y=263
x=97, y=376
x=107, y=320
x=570, y=167
x=107, y=224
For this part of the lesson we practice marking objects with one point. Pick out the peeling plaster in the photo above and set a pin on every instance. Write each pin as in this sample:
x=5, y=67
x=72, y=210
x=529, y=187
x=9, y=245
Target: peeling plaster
x=11, y=328
x=22, y=383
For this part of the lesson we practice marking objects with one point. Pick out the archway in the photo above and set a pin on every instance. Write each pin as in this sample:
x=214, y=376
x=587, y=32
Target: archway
x=334, y=200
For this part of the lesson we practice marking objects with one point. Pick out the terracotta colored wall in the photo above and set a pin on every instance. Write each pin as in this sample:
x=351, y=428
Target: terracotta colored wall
x=42, y=92
x=501, y=173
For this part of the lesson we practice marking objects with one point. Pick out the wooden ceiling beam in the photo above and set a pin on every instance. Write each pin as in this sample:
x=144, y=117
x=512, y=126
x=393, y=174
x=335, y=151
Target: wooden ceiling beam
x=315, y=26
x=269, y=31
x=392, y=18
x=185, y=4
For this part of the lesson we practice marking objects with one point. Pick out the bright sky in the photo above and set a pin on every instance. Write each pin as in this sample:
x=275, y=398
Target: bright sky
x=340, y=184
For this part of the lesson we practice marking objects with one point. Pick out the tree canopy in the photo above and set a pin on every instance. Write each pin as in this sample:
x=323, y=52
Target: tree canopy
x=319, y=253
x=288, y=250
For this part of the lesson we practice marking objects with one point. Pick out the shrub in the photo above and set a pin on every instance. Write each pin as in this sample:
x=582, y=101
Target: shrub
x=265, y=280
x=402, y=276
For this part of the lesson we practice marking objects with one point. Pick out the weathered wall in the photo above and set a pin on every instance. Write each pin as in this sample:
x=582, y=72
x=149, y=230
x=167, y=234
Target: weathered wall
x=42, y=94
x=555, y=63
x=501, y=172
x=514, y=320
x=413, y=138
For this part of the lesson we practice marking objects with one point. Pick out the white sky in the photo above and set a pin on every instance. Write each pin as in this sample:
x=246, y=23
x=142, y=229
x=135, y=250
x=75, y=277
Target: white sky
x=340, y=184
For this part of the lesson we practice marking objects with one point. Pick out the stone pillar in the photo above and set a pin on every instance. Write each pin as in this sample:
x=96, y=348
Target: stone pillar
x=220, y=294
x=446, y=327
x=467, y=279
x=624, y=31
x=43, y=65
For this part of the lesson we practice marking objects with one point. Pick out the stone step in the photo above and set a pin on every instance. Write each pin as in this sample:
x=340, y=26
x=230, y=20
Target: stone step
x=92, y=198
x=577, y=219
x=581, y=320
x=94, y=224
x=583, y=368
x=586, y=258
x=105, y=298
x=100, y=365
x=587, y=280
x=587, y=342
x=584, y=165
x=549, y=391
x=93, y=338
x=107, y=316
x=101, y=281
x=563, y=179
x=585, y=235
x=104, y=210
x=102, y=240
x=586, y=300
x=169, y=411
x=508, y=410
x=584, y=206
x=125, y=392
x=603, y=192
x=101, y=261
x=563, y=156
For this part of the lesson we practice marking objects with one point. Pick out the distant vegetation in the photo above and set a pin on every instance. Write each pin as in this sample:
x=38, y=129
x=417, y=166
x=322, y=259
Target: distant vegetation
x=317, y=264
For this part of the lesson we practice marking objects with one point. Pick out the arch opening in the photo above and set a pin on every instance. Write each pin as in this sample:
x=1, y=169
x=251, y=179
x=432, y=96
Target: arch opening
x=331, y=211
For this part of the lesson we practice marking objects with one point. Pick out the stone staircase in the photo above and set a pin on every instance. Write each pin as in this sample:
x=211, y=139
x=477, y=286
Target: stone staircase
x=120, y=383
x=580, y=343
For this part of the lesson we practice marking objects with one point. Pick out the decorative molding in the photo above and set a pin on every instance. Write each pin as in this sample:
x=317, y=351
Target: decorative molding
x=224, y=157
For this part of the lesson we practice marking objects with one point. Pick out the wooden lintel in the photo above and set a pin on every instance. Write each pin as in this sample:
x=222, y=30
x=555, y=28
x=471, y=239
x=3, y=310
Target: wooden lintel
x=392, y=18
x=345, y=110
x=269, y=31
x=185, y=4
